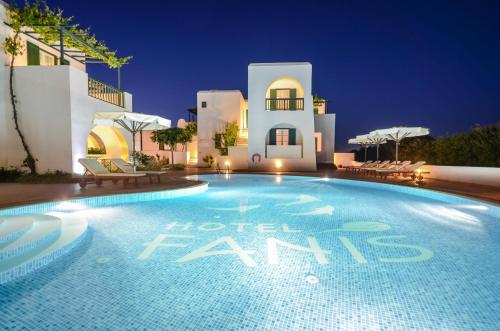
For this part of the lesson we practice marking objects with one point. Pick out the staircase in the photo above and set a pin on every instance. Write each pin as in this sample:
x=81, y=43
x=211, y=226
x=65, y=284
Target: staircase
x=29, y=242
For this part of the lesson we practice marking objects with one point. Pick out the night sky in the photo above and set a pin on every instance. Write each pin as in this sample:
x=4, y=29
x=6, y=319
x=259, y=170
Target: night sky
x=379, y=63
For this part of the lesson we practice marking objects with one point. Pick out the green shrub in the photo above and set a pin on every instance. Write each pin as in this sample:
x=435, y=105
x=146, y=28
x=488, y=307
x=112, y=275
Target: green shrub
x=227, y=138
x=96, y=150
x=209, y=159
x=143, y=160
x=178, y=166
x=477, y=148
x=49, y=177
x=9, y=175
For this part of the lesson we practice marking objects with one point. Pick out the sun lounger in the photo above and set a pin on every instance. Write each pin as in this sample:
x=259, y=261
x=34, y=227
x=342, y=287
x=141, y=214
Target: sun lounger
x=94, y=170
x=353, y=167
x=408, y=169
x=129, y=169
x=380, y=165
x=370, y=165
x=387, y=166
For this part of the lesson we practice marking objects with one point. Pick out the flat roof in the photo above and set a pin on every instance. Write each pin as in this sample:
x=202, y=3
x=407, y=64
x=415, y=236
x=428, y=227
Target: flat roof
x=218, y=91
x=279, y=64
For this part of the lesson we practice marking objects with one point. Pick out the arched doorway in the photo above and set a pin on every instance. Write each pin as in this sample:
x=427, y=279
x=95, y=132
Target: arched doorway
x=109, y=142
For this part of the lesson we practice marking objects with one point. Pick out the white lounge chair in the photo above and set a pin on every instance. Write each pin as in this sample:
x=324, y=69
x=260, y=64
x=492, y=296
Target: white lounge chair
x=129, y=169
x=379, y=165
x=369, y=165
x=408, y=169
x=94, y=170
x=386, y=166
x=354, y=167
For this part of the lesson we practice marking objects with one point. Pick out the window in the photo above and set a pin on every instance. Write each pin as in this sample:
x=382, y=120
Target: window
x=282, y=93
x=282, y=137
x=33, y=54
x=203, y=104
x=47, y=59
x=245, y=119
x=317, y=141
x=37, y=56
x=284, y=99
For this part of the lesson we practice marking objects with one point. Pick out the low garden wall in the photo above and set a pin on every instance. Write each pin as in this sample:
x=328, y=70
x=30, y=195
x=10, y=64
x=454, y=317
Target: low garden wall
x=343, y=159
x=476, y=175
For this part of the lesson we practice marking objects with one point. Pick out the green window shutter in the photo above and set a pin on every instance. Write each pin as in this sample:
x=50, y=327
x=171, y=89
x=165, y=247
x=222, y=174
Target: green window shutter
x=273, y=95
x=272, y=137
x=33, y=55
x=293, y=95
x=291, y=136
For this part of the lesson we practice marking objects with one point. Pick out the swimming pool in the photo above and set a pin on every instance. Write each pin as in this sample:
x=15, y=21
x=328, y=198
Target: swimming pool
x=269, y=252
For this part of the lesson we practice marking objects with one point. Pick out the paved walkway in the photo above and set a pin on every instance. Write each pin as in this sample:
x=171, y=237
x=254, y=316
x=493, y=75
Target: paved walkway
x=13, y=194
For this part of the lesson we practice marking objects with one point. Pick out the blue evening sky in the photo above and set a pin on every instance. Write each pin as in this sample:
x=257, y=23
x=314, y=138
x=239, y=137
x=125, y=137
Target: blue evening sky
x=379, y=63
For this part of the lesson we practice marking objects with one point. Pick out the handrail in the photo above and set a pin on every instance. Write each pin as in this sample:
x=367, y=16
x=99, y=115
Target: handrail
x=277, y=104
x=105, y=92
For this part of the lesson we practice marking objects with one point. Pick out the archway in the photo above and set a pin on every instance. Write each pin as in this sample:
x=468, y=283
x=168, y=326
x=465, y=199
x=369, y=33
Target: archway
x=110, y=140
x=285, y=94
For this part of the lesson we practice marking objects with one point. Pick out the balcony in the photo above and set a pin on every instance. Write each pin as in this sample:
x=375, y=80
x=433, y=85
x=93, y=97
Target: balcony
x=284, y=151
x=284, y=104
x=105, y=92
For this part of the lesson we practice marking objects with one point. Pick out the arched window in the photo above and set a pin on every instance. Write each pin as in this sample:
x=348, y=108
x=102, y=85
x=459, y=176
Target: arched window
x=284, y=135
x=285, y=94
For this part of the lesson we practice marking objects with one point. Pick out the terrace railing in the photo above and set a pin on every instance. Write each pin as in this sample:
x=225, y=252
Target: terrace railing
x=105, y=92
x=285, y=104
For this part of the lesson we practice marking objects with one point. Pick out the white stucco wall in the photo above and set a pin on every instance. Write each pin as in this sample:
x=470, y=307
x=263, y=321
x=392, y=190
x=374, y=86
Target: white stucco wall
x=238, y=156
x=343, y=159
x=222, y=107
x=44, y=117
x=260, y=77
x=476, y=175
x=55, y=111
x=56, y=116
x=325, y=123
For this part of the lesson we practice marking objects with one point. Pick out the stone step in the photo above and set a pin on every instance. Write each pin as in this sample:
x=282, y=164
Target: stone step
x=45, y=228
x=47, y=244
x=12, y=227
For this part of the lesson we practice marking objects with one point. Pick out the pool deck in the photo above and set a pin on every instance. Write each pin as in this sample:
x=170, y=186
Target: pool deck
x=15, y=194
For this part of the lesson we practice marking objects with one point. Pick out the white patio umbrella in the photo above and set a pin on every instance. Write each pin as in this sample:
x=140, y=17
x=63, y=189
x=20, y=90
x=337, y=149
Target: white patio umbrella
x=398, y=133
x=377, y=139
x=132, y=122
x=362, y=140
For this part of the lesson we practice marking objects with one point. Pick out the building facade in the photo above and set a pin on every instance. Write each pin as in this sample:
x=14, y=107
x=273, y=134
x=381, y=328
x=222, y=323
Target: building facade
x=281, y=125
x=57, y=101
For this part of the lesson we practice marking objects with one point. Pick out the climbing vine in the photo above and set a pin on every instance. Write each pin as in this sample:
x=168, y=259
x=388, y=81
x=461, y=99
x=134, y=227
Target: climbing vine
x=42, y=19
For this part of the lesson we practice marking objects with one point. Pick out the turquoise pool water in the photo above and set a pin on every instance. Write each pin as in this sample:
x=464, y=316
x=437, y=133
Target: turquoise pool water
x=269, y=253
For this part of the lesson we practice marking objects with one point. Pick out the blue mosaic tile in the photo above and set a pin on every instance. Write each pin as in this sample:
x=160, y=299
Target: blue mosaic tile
x=257, y=253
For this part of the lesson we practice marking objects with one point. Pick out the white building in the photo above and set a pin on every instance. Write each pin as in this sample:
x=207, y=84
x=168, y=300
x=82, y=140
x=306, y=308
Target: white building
x=281, y=127
x=56, y=105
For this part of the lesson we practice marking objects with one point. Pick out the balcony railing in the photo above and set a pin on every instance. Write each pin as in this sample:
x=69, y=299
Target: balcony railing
x=285, y=104
x=105, y=92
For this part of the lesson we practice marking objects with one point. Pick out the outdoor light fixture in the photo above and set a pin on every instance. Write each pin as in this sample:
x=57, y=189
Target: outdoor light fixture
x=418, y=177
x=278, y=164
x=227, y=163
